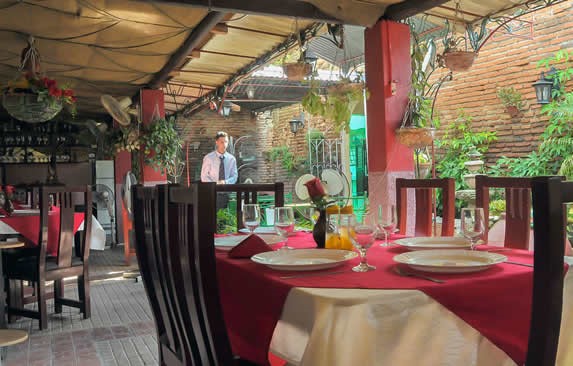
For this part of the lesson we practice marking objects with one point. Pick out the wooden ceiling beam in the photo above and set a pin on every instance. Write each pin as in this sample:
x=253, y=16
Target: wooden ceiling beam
x=197, y=35
x=220, y=28
x=409, y=8
x=288, y=8
x=194, y=54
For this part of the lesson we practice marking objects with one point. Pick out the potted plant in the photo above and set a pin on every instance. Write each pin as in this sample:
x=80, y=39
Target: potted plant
x=162, y=145
x=302, y=67
x=417, y=128
x=511, y=99
x=457, y=56
x=423, y=163
x=337, y=103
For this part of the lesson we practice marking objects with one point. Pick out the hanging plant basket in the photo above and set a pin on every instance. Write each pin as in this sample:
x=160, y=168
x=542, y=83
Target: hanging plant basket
x=26, y=107
x=459, y=60
x=343, y=88
x=297, y=71
x=416, y=137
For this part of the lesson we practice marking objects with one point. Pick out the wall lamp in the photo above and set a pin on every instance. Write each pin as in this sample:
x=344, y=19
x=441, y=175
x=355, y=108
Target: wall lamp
x=545, y=85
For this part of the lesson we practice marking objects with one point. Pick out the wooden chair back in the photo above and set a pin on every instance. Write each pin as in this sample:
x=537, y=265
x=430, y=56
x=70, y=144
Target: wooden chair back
x=176, y=253
x=517, y=203
x=425, y=203
x=549, y=233
x=248, y=193
x=65, y=198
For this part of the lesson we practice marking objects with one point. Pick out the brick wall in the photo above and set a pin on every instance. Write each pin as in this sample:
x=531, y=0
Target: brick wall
x=200, y=129
x=266, y=130
x=504, y=61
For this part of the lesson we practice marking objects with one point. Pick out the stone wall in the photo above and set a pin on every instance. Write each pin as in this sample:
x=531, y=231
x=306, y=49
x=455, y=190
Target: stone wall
x=508, y=60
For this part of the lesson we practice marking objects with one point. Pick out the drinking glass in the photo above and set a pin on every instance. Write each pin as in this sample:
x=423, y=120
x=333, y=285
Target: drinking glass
x=310, y=213
x=362, y=232
x=387, y=221
x=284, y=223
x=473, y=224
x=251, y=216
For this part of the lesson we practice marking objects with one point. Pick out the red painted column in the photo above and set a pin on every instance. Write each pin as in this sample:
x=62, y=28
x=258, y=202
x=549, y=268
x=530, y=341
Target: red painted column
x=152, y=104
x=122, y=164
x=388, y=79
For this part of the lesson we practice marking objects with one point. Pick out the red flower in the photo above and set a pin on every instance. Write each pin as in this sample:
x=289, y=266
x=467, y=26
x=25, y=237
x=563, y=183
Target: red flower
x=55, y=92
x=49, y=83
x=68, y=93
x=315, y=189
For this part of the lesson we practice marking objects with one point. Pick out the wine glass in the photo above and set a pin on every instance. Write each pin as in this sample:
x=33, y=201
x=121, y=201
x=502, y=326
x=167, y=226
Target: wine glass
x=362, y=232
x=473, y=224
x=284, y=223
x=387, y=221
x=251, y=216
x=311, y=214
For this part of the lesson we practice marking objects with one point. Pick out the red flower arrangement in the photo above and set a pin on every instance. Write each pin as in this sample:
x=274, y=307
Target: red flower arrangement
x=317, y=193
x=45, y=88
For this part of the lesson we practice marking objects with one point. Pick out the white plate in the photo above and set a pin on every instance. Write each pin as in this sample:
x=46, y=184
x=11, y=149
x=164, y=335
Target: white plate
x=228, y=242
x=435, y=242
x=265, y=230
x=450, y=261
x=304, y=259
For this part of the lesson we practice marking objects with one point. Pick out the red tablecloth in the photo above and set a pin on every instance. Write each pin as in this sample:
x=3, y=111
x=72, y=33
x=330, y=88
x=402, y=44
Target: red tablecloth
x=253, y=295
x=29, y=227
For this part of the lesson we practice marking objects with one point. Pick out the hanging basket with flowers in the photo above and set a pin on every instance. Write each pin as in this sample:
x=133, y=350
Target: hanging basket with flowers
x=34, y=98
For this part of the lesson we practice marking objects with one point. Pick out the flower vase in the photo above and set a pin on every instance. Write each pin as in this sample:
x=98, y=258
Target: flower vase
x=319, y=229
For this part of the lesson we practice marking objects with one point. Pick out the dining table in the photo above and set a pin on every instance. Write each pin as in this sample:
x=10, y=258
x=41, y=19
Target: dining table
x=26, y=223
x=339, y=317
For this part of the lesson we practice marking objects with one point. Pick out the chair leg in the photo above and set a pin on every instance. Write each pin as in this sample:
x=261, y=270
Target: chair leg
x=42, y=304
x=84, y=294
x=58, y=294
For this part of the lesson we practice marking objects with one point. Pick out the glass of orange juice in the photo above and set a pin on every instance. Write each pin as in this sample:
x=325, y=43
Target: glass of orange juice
x=337, y=235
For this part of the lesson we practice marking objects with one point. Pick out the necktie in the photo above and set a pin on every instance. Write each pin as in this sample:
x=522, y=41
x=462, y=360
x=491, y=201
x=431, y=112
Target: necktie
x=222, y=168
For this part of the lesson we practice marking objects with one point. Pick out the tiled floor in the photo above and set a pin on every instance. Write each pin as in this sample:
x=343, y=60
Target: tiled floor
x=119, y=332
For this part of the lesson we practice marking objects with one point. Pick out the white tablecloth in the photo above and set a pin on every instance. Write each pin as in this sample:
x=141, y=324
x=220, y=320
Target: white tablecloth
x=97, y=234
x=342, y=327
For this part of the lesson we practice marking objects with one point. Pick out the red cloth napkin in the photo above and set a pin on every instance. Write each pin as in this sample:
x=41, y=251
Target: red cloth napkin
x=503, y=317
x=251, y=245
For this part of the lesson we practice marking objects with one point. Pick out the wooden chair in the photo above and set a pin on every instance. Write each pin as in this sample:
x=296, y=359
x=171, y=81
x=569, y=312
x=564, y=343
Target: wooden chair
x=175, y=229
x=424, y=204
x=549, y=223
x=517, y=203
x=33, y=264
x=248, y=193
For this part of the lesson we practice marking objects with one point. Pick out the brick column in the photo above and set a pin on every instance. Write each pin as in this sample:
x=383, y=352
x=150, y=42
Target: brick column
x=388, y=74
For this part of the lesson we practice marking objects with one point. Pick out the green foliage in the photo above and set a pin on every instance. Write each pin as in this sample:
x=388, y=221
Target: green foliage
x=556, y=146
x=226, y=222
x=475, y=35
x=458, y=141
x=122, y=139
x=510, y=97
x=337, y=105
x=315, y=135
x=289, y=161
x=162, y=145
x=496, y=207
x=420, y=109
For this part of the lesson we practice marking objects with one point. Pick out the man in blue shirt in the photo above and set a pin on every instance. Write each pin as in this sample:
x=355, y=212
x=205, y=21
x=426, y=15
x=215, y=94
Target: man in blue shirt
x=220, y=166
